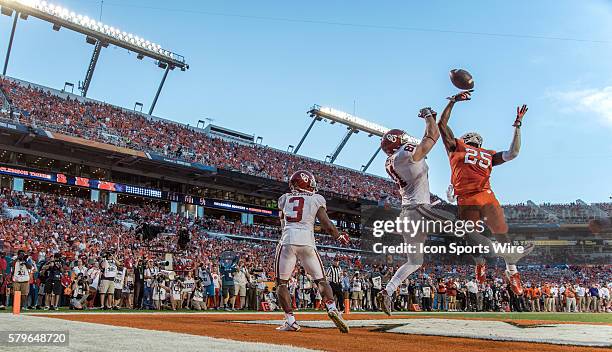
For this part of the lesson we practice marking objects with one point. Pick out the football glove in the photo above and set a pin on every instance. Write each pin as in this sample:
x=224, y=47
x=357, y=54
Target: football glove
x=427, y=112
x=520, y=112
x=344, y=238
x=450, y=194
x=461, y=96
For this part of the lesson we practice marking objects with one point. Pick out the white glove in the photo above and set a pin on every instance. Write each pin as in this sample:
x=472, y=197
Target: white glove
x=450, y=194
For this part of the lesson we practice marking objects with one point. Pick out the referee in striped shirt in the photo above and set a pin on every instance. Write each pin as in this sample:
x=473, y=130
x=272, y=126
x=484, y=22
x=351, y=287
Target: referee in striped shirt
x=334, y=276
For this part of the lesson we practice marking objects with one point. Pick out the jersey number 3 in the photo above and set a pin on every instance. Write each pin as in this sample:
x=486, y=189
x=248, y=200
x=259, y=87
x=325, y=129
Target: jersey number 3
x=471, y=157
x=298, y=209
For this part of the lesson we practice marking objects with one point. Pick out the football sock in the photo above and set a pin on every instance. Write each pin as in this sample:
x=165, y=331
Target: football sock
x=400, y=275
x=511, y=269
x=331, y=305
x=290, y=318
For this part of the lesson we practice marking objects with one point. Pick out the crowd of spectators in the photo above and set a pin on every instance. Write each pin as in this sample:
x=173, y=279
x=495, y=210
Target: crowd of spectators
x=607, y=207
x=109, y=124
x=573, y=213
x=102, y=122
x=73, y=248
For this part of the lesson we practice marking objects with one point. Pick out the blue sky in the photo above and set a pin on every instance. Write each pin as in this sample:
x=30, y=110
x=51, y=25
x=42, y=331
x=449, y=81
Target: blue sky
x=258, y=66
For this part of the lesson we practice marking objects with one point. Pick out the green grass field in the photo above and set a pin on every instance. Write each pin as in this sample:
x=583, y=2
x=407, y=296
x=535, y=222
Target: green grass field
x=563, y=317
x=552, y=317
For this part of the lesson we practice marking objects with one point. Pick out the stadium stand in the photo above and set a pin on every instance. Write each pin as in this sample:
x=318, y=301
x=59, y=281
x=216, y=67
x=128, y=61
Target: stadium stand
x=61, y=112
x=81, y=231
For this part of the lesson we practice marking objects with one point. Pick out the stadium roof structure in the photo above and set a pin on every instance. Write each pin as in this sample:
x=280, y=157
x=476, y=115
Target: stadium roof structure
x=354, y=125
x=97, y=33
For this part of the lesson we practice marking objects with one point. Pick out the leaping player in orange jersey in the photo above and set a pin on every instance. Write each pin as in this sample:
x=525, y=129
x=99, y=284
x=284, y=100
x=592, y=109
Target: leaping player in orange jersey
x=471, y=167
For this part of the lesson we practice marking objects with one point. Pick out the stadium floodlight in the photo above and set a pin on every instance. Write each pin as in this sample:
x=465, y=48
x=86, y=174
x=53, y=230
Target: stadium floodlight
x=354, y=124
x=97, y=33
x=349, y=120
x=357, y=123
x=62, y=17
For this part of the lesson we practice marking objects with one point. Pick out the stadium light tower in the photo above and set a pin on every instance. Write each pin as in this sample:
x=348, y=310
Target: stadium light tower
x=98, y=34
x=353, y=123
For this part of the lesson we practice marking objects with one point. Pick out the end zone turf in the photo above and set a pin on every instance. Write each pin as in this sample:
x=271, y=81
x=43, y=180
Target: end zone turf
x=375, y=332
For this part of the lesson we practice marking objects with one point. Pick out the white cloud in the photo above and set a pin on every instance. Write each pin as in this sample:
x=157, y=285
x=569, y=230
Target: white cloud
x=595, y=101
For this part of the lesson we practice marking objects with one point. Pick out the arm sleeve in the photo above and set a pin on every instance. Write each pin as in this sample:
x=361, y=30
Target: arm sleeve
x=320, y=201
x=281, y=202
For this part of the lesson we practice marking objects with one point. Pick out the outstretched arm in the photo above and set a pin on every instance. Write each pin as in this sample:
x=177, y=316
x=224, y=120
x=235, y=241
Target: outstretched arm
x=507, y=155
x=432, y=133
x=448, y=138
x=447, y=134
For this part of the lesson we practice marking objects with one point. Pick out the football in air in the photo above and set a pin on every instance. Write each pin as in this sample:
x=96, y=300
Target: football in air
x=461, y=79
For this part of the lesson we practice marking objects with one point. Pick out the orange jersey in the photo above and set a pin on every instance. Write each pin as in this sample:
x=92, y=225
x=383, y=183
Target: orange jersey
x=471, y=168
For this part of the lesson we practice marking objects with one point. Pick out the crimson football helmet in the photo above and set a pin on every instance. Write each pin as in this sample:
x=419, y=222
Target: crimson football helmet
x=392, y=140
x=303, y=181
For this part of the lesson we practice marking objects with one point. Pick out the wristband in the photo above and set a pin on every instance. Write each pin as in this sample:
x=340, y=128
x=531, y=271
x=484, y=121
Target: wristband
x=426, y=136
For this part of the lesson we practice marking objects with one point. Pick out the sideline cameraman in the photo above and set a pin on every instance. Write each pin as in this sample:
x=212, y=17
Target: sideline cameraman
x=206, y=280
x=159, y=290
x=176, y=291
x=80, y=292
x=53, y=285
x=108, y=265
x=21, y=269
x=150, y=273
x=199, y=297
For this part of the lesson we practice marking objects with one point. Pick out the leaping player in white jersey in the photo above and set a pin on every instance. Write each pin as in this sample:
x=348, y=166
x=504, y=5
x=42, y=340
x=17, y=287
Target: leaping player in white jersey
x=406, y=165
x=298, y=212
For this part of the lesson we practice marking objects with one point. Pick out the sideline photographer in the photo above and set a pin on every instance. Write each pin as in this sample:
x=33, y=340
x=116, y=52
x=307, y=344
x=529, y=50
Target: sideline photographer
x=109, y=266
x=53, y=285
x=199, y=297
x=21, y=269
x=150, y=273
x=159, y=291
x=80, y=292
x=206, y=280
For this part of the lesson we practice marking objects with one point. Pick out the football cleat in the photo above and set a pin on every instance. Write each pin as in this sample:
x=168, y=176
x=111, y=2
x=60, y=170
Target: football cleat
x=481, y=273
x=286, y=327
x=515, y=283
x=336, y=317
x=385, y=302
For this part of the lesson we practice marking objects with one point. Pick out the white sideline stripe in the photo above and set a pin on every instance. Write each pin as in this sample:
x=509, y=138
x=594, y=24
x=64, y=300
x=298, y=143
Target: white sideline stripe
x=558, y=334
x=98, y=337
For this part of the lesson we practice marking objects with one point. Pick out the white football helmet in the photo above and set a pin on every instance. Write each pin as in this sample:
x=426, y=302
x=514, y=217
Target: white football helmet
x=472, y=137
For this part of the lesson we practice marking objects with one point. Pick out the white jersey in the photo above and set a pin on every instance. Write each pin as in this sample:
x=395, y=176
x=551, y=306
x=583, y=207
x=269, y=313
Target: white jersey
x=110, y=269
x=188, y=285
x=94, y=277
x=119, y=276
x=21, y=272
x=410, y=176
x=299, y=211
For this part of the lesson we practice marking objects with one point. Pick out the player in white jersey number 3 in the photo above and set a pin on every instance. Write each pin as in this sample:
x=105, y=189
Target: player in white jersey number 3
x=298, y=212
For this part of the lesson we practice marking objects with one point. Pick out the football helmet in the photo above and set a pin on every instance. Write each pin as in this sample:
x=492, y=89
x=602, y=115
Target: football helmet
x=303, y=181
x=472, y=138
x=392, y=140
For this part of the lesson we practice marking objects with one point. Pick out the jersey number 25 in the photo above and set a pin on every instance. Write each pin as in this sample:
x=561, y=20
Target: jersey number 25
x=472, y=157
